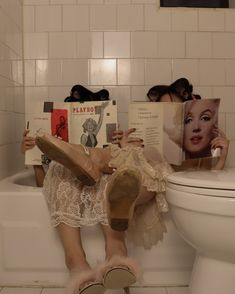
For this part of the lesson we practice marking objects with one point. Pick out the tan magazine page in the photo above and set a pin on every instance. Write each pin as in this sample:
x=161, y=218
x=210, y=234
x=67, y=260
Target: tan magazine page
x=90, y=123
x=159, y=125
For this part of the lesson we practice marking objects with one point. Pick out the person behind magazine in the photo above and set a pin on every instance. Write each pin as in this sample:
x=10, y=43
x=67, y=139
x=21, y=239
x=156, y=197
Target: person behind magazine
x=179, y=91
x=200, y=128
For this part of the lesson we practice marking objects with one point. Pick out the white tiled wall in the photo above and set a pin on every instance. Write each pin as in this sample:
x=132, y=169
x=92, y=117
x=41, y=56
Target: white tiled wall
x=11, y=86
x=127, y=46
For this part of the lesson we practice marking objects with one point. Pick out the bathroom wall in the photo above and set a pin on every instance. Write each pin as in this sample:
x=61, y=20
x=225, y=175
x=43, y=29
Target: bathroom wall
x=11, y=86
x=127, y=46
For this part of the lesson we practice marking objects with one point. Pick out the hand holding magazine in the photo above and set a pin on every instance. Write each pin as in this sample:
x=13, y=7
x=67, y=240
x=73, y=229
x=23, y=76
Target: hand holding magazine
x=179, y=131
x=90, y=123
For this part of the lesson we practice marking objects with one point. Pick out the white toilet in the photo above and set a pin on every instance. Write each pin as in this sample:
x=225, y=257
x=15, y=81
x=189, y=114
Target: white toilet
x=202, y=205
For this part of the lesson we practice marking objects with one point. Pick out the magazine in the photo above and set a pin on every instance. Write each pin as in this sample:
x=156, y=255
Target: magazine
x=180, y=131
x=90, y=123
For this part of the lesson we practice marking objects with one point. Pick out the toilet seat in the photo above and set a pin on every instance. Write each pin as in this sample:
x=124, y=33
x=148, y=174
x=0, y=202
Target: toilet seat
x=209, y=183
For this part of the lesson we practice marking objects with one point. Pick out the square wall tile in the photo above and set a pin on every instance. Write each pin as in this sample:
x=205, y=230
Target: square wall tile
x=122, y=95
x=7, y=135
x=211, y=20
x=90, y=45
x=144, y=44
x=230, y=20
x=103, y=17
x=198, y=45
x=227, y=103
x=185, y=20
x=35, y=45
x=139, y=93
x=185, y=68
x=48, y=72
x=19, y=126
x=63, y=2
x=102, y=72
x=117, y=1
x=36, y=2
x=17, y=71
x=230, y=161
x=90, y=1
x=156, y=19
x=62, y=45
x=19, y=99
x=116, y=44
x=135, y=13
x=35, y=94
x=211, y=72
x=222, y=122
x=230, y=72
x=75, y=71
x=29, y=19
x=171, y=44
x=48, y=18
x=59, y=93
x=75, y=18
x=158, y=71
x=223, y=45
x=130, y=72
x=29, y=73
x=9, y=101
x=203, y=91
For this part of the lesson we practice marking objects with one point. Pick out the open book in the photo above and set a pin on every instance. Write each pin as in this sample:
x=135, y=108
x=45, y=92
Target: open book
x=90, y=123
x=179, y=131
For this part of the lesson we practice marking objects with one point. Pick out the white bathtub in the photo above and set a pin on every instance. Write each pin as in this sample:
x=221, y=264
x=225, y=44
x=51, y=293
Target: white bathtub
x=31, y=254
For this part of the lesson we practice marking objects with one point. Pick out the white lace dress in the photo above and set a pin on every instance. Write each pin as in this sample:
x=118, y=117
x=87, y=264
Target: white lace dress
x=72, y=203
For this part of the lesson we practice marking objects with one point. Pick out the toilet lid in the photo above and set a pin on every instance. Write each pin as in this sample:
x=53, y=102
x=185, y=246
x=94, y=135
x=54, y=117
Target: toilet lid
x=214, y=180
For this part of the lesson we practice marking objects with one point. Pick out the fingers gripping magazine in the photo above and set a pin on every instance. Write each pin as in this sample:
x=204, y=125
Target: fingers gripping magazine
x=180, y=131
x=90, y=123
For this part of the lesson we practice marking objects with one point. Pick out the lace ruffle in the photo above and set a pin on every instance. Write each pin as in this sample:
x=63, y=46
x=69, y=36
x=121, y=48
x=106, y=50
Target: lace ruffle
x=153, y=168
x=72, y=203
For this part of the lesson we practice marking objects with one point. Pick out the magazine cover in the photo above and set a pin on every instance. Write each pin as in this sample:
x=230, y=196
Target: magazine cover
x=90, y=123
x=180, y=131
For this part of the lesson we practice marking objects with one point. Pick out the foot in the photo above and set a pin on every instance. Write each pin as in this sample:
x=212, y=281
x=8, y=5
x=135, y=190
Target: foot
x=122, y=192
x=73, y=157
x=85, y=282
x=120, y=272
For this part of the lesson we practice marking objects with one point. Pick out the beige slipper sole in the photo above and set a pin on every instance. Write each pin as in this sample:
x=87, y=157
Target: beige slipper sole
x=121, y=194
x=93, y=288
x=118, y=277
x=56, y=153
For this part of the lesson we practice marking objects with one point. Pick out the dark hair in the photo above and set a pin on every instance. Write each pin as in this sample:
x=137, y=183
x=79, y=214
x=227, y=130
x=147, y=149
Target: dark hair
x=183, y=88
x=83, y=94
x=156, y=92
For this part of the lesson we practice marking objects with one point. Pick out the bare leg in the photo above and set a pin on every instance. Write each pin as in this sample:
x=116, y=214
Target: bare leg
x=75, y=257
x=114, y=242
x=120, y=270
